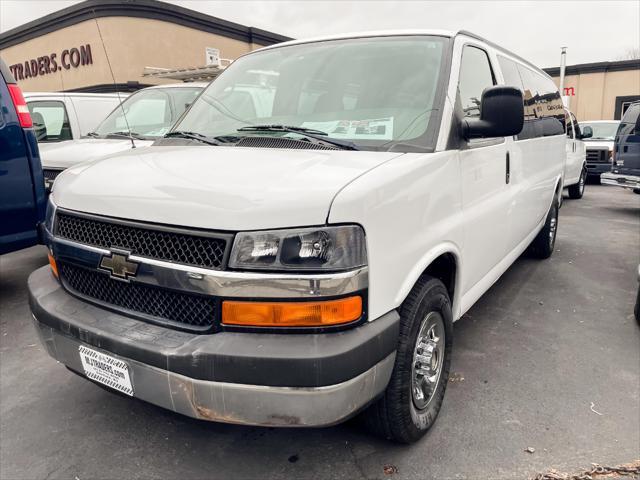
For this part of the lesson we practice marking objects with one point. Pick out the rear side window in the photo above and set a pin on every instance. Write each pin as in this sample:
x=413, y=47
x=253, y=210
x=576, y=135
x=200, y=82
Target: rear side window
x=50, y=121
x=543, y=108
x=475, y=76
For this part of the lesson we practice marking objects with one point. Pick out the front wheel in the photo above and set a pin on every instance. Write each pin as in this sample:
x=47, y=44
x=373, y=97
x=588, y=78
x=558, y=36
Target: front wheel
x=576, y=191
x=542, y=246
x=412, y=400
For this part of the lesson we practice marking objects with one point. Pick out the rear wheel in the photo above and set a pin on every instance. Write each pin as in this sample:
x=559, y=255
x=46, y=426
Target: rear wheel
x=576, y=191
x=412, y=400
x=542, y=245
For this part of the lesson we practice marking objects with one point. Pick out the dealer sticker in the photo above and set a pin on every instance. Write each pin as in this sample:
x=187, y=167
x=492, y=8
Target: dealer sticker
x=106, y=369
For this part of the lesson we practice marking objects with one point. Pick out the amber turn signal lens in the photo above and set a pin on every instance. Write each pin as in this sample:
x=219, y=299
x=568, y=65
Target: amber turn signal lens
x=292, y=314
x=53, y=265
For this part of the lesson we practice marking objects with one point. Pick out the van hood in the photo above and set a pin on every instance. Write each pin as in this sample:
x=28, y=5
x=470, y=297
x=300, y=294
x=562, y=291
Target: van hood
x=599, y=144
x=223, y=188
x=69, y=153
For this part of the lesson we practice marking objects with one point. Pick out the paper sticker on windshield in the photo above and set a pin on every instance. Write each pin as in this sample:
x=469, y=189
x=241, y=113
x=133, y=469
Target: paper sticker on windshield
x=369, y=129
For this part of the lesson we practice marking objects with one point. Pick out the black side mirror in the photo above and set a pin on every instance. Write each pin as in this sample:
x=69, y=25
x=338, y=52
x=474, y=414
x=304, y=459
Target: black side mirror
x=501, y=114
x=587, y=132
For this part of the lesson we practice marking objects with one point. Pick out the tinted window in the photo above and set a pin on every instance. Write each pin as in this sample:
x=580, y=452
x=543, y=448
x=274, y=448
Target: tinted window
x=543, y=108
x=50, y=121
x=475, y=76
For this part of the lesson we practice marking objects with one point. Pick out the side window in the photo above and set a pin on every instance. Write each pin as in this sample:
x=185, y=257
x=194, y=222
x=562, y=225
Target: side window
x=475, y=76
x=510, y=72
x=543, y=108
x=50, y=121
x=569, y=124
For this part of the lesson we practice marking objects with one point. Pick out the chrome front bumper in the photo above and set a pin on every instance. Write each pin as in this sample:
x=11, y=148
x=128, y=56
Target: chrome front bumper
x=619, y=180
x=232, y=402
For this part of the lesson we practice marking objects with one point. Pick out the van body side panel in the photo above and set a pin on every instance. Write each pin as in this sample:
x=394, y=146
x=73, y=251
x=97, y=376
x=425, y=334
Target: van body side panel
x=410, y=208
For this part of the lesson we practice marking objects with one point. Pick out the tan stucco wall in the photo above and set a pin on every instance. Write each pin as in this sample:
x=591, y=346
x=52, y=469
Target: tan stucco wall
x=131, y=43
x=595, y=93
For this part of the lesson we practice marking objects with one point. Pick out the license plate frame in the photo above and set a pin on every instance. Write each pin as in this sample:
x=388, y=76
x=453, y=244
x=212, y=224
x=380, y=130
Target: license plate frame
x=106, y=370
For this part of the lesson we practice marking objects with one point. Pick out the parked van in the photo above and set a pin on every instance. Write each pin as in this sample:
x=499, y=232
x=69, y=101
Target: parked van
x=575, y=170
x=22, y=199
x=599, y=136
x=295, y=265
x=625, y=171
x=58, y=117
x=144, y=116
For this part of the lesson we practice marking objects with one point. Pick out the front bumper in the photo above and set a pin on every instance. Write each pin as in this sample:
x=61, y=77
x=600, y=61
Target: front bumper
x=248, y=378
x=620, y=180
x=594, y=169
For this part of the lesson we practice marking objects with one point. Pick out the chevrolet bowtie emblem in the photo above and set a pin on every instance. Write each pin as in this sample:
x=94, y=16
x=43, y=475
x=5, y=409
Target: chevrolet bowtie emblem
x=118, y=266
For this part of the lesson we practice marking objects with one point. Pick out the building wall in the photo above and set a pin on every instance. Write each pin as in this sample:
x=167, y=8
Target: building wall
x=594, y=94
x=131, y=43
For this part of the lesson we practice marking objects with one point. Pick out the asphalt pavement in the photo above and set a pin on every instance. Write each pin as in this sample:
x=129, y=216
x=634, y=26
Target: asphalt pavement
x=549, y=358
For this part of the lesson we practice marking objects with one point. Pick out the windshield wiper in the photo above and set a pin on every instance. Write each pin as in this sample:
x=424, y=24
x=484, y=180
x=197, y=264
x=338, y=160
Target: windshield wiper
x=304, y=132
x=93, y=134
x=137, y=136
x=193, y=136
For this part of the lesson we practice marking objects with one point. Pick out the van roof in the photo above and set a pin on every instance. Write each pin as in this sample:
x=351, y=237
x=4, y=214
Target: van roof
x=404, y=32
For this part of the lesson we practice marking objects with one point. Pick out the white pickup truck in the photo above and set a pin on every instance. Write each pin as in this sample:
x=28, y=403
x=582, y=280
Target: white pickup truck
x=297, y=264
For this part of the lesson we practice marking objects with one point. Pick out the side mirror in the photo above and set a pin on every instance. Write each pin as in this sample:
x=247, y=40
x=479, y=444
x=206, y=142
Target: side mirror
x=587, y=132
x=501, y=114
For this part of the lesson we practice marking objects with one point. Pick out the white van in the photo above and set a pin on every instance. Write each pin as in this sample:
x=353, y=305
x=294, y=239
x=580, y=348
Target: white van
x=575, y=170
x=292, y=266
x=140, y=119
x=60, y=116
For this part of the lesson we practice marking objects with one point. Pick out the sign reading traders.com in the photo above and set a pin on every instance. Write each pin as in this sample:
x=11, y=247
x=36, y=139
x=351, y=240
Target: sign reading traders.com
x=68, y=59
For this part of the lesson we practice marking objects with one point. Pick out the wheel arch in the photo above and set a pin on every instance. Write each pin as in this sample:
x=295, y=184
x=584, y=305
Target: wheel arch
x=442, y=262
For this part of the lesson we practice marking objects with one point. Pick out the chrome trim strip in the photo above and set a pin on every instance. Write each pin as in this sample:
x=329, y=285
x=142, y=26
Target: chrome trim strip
x=221, y=283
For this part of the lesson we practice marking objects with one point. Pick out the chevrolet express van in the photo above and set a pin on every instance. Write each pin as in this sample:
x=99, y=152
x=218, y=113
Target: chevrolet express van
x=297, y=264
x=143, y=117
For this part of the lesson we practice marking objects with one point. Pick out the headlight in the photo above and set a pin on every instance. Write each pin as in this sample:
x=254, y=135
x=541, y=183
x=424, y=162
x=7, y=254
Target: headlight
x=314, y=248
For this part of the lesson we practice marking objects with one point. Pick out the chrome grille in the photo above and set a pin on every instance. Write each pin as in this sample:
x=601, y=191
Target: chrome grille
x=186, y=311
x=185, y=246
x=597, y=155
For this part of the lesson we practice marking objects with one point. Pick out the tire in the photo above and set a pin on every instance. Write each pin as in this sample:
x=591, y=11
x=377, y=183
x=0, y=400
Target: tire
x=577, y=191
x=400, y=415
x=636, y=190
x=542, y=246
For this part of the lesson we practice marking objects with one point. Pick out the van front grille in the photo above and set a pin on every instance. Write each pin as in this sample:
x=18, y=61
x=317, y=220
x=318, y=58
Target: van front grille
x=185, y=246
x=597, y=155
x=159, y=305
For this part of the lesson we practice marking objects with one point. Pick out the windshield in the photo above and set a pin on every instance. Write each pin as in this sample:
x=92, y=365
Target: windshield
x=149, y=113
x=601, y=131
x=374, y=92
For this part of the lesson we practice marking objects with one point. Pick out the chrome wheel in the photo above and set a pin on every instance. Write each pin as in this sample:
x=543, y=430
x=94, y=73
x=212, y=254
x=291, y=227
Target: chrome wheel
x=428, y=358
x=553, y=226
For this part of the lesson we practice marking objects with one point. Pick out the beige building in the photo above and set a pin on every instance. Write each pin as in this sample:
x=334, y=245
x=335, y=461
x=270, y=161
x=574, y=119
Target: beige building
x=72, y=49
x=600, y=91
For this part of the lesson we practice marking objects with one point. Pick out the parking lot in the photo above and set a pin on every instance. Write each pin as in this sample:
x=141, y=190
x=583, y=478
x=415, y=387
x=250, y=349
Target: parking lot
x=549, y=358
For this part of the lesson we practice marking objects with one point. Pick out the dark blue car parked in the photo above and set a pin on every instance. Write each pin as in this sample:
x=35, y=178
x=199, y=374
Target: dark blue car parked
x=22, y=195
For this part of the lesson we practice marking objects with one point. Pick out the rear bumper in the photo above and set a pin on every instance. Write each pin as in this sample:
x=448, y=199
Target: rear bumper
x=248, y=378
x=620, y=180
